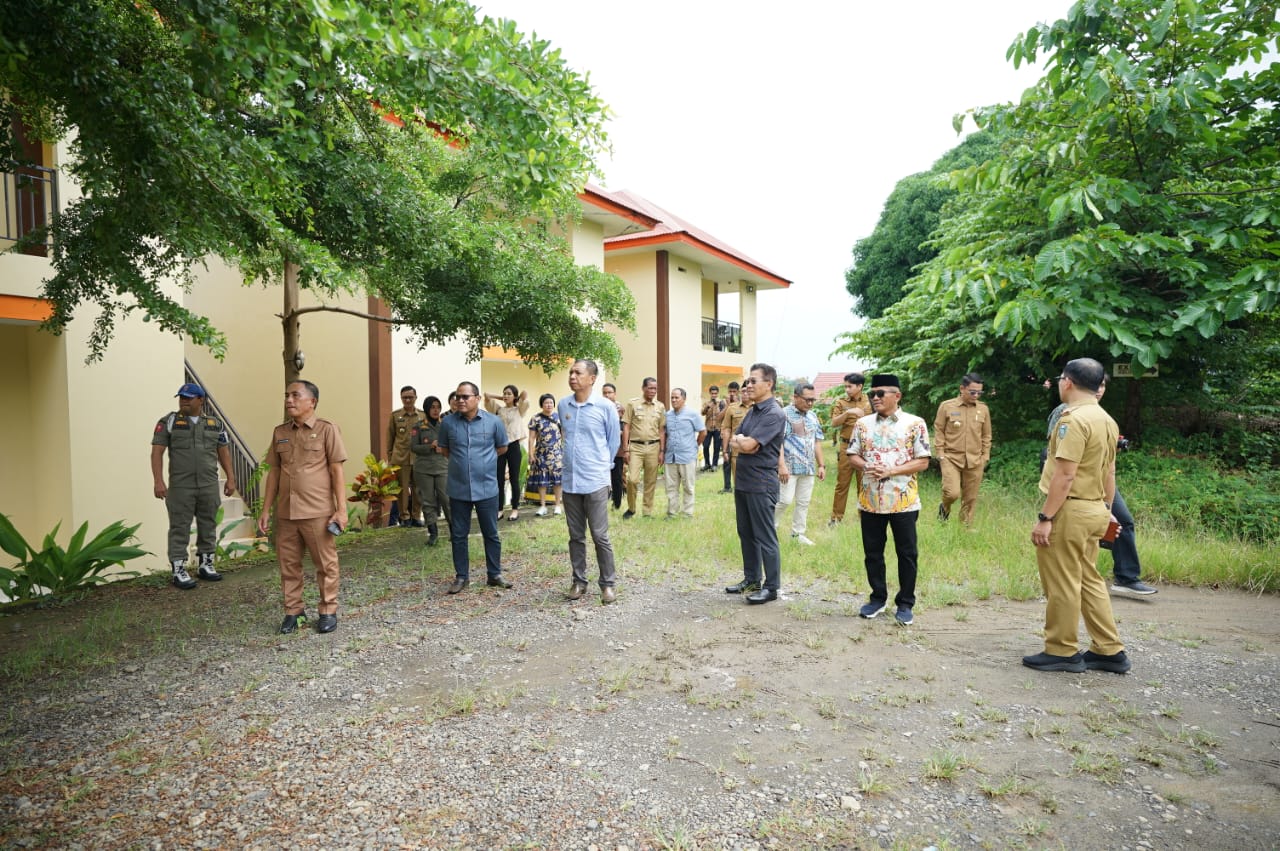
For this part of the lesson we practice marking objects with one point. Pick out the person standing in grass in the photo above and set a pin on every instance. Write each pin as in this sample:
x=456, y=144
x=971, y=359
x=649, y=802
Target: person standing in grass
x=682, y=434
x=430, y=469
x=735, y=410
x=890, y=448
x=511, y=407
x=845, y=412
x=800, y=462
x=546, y=453
x=617, y=488
x=592, y=434
x=755, y=447
x=306, y=489
x=1079, y=483
x=962, y=444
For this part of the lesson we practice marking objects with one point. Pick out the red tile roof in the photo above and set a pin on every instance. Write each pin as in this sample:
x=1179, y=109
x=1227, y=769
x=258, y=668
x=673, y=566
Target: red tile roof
x=827, y=380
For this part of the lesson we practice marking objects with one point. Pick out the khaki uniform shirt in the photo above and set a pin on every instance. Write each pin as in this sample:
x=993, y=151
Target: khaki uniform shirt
x=646, y=419
x=193, y=448
x=400, y=435
x=302, y=454
x=713, y=412
x=1087, y=435
x=843, y=404
x=734, y=414
x=962, y=433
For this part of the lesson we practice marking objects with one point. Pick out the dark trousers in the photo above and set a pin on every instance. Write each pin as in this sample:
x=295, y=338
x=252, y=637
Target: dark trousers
x=711, y=448
x=580, y=511
x=728, y=469
x=875, y=533
x=509, y=464
x=617, y=490
x=460, y=530
x=1124, y=550
x=759, y=537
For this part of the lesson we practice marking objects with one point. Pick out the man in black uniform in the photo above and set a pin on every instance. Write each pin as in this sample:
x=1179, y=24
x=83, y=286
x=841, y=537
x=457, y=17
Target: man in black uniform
x=197, y=444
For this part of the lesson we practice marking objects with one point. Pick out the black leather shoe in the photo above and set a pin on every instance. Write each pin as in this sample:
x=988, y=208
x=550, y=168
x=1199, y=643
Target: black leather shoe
x=1049, y=662
x=433, y=534
x=628, y=514
x=742, y=586
x=497, y=582
x=291, y=623
x=326, y=623
x=764, y=595
x=458, y=585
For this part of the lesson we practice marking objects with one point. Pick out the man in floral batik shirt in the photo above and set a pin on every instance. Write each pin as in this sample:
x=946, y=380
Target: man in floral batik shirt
x=890, y=447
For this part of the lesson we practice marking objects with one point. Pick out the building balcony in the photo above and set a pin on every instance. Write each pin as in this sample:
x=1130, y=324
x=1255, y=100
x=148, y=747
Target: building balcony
x=30, y=198
x=721, y=336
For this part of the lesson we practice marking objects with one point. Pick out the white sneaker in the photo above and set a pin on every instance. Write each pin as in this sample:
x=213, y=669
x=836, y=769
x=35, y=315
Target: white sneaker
x=801, y=539
x=541, y=512
x=557, y=512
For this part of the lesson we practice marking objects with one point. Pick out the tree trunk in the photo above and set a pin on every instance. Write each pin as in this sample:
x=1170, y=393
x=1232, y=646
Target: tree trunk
x=1132, y=423
x=292, y=326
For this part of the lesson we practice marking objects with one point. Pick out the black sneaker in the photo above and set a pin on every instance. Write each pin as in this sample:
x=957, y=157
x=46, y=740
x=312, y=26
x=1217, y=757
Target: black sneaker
x=291, y=623
x=943, y=512
x=1135, y=588
x=903, y=616
x=628, y=514
x=1117, y=663
x=1049, y=662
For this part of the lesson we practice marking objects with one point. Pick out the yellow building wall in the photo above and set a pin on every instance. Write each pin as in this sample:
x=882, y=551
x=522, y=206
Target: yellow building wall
x=249, y=383
x=686, y=328
x=639, y=349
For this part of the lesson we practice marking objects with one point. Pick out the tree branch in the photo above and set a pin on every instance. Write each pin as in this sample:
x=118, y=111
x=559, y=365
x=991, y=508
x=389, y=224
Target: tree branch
x=390, y=320
x=1248, y=191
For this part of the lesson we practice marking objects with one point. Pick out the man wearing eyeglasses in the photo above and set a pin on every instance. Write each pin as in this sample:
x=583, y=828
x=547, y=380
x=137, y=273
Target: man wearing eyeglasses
x=890, y=447
x=962, y=445
x=472, y=439
x=800, y=462
x=756, y=445
x=1079, y=485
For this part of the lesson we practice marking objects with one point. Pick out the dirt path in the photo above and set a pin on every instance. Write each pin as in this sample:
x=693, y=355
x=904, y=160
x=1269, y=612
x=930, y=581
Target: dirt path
x=677, y=719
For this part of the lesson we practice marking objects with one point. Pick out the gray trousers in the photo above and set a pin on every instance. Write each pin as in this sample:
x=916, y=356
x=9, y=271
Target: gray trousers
x=589, y=509
x=183, y=504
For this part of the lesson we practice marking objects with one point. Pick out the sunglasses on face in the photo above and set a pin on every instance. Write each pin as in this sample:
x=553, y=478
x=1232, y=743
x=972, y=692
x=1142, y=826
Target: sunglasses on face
x=878, y=394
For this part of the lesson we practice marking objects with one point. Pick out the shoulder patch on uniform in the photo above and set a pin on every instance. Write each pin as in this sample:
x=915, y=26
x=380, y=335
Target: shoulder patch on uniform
x=159, y=427
x=1062, y=431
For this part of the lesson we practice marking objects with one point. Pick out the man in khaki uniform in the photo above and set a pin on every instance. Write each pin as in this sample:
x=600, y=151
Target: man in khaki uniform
x=197, y=444
x=712, y=413
x=844, y=413
x=1079, y=483
x=642, y=425
x=307, y=489
x=735, y=411
x=962, y=445
x=399, y=439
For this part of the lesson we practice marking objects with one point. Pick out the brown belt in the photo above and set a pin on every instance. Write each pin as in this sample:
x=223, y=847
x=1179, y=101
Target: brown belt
x=645, y=442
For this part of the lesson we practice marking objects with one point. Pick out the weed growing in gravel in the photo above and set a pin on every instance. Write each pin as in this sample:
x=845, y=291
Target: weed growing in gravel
x=1032, y=827
x=1010, y=784
x=945, y=765
x=994, y=716
x=801, y=610
x=741, y=755
x=816, y=640
x=1172, y=711
x=1104, y=766
x=870, y=783
x=618, y=681
x=1149, y=754
x=1032, y=729
x=826, y=707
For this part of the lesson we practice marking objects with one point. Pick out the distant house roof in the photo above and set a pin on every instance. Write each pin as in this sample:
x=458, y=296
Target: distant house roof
x=827, y=380
x=717, y=258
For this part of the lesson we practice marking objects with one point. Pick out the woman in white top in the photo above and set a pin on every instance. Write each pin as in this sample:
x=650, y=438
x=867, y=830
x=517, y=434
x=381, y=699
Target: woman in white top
x=512, y=406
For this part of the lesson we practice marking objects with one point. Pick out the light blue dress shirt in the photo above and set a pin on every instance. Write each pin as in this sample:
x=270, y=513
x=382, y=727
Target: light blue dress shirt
x=592, y=433
x=682, y=436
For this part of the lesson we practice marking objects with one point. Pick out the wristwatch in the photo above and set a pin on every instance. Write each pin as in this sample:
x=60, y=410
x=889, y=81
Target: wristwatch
x=1044, y=518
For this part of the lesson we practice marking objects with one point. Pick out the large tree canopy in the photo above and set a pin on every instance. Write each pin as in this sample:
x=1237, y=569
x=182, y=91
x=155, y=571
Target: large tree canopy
x=1137, y=206
x=258, y=132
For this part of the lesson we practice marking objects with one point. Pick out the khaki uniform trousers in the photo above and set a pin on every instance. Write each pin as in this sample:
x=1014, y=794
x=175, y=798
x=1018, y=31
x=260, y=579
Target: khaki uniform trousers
x=1072, y=584
x=292, y=537
x=409, y=499
x=845, y=474
x=960, y=483
x=643, y=465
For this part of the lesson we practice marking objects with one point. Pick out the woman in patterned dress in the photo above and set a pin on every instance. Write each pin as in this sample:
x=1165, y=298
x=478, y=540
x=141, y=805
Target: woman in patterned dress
x=546, y=453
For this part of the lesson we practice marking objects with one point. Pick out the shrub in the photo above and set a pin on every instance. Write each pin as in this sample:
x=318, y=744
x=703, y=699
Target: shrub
x=54, y=570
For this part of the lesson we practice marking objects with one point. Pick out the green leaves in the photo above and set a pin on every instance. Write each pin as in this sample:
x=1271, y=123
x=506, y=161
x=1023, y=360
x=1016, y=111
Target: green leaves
x=55, y=570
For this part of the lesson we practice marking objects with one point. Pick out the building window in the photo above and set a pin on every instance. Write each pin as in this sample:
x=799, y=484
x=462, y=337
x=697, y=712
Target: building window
x=29, y=192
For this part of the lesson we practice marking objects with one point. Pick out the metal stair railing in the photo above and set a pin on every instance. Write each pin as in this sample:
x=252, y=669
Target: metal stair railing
x=243, y=461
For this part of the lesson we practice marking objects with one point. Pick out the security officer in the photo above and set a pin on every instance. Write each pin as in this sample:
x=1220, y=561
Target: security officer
x=735, y=411
x=197, y=444
x=962, y=445
x=400, y=428
x=844, y=413
x=642, y=425
x=1079, y=483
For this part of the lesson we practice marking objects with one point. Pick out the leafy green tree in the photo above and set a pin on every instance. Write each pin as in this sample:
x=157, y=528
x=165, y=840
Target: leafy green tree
x=884, y=261
x=266, y=133
x=1136, y=208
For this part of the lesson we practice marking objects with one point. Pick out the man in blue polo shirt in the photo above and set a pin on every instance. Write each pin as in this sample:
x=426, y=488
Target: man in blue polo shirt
x=473, y=439
x=682, y=434
x=592, y=434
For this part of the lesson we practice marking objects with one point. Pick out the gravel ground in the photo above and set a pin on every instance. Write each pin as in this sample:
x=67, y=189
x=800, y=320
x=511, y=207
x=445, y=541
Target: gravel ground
x=677, y=718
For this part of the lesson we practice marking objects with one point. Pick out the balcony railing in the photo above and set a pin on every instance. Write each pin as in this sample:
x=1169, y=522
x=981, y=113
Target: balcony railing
x=722, y=336
x=30, y=196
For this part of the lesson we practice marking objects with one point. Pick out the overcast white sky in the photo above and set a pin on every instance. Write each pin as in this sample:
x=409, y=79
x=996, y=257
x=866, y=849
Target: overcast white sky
x=782, y=128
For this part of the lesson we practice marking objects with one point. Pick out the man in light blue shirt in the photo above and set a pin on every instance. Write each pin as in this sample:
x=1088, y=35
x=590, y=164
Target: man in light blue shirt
x=681, y=436
x=592, y=434
x=473, y=439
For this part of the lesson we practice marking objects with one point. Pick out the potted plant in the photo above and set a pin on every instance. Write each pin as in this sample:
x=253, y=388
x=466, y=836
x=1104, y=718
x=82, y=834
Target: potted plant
x=378, y=482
